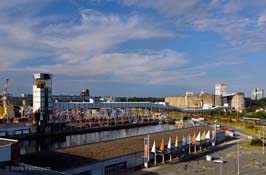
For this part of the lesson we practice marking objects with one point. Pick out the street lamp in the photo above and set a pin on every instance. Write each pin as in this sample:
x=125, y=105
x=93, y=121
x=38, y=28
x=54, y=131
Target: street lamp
x=238, y=169
x=221, y=168
x=263, y=140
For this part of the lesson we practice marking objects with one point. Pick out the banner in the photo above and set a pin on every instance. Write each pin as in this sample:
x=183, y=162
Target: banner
x=189, y=140
x=176, y=141
x=169, y=143
x=162, y=146
x=184, y=141
x=213, y=135
x=146, y=149
x=146, y=152
x=153, y=149
x=198, y=137
x=208, y=135
x=202, y=138
x=193, y=139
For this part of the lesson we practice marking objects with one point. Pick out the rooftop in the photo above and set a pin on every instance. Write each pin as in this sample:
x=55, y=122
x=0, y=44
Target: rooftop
x=82, y=155
x=6, y=141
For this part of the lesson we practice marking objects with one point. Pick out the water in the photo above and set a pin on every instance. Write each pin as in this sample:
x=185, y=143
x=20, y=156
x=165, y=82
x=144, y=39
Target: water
x=53, y=143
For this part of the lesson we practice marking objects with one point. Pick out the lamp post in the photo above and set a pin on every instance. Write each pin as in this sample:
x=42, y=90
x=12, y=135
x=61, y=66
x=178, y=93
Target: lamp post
x=263, y=140
x=238, y=168
x=221, y=169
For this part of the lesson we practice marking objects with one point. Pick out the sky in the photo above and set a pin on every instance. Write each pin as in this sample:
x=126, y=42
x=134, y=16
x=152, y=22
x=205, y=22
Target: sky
x=134, y=47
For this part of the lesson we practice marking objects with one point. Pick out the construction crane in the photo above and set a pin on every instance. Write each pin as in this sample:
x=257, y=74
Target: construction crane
x=7, y=107
x=4, y=99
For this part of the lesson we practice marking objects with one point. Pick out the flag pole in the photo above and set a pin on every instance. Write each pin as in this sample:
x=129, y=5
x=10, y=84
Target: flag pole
x=145, y=153
x=238, y=169
x=148, y=147
x=169, y=148
x=153, y=150
x=155, y=158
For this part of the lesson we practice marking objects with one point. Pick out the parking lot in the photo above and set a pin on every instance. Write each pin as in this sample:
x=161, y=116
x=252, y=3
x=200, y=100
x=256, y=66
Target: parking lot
x=252, y=162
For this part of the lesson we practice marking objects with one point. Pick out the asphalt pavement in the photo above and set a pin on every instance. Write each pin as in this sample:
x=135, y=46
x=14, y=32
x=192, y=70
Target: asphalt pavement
x=251, y=161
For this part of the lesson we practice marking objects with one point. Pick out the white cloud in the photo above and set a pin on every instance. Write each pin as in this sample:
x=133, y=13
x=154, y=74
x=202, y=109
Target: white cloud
x=150, y=67
x=238, y=6
x=240, y=33
x=96, y=33
x=13, y=3
x=262, y=19
x=170, y=7
x=70, y=41
x=233, y=20
x=214, y=4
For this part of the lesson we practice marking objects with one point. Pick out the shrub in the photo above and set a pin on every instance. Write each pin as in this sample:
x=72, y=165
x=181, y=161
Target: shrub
x=256, y=142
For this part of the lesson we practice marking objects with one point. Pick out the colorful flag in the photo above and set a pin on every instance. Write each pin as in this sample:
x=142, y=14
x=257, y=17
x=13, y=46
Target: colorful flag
x=202, y=138
x=184, y=141
x=189, y=139
x=176, y=141
x=193, y=139
x=153, y=149
x=213, y=135
x=146, y=151
x=198, y=137
x=208, y=136
x=169, y=143
x=162, y=146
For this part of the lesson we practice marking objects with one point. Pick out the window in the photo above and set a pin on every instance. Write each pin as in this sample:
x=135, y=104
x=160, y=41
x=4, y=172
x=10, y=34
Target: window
x=115, y=169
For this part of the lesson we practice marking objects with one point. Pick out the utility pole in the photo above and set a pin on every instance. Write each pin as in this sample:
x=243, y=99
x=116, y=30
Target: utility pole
x=263, y=140
x=238, y=168
x=221, y=169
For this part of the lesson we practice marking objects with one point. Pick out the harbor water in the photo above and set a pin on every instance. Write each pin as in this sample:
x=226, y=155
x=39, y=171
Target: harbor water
x=54, y=143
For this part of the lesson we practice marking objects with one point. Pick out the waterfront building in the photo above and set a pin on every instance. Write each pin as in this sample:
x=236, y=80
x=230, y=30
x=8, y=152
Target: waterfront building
x=206, y=101
x=85, y=93
x=221, y=89
x=257, y=93
x=42, y=96
x=192, y=101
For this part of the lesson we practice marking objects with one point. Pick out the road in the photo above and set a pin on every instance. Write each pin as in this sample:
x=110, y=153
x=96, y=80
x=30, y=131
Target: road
x=252, y=161
x=241, y=133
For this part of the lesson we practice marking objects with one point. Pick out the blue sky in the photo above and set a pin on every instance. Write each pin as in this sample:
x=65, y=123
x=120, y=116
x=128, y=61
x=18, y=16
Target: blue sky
x=134, y=47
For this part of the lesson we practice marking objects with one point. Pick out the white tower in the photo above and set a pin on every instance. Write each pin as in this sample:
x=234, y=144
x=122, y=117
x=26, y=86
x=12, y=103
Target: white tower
x=42, y=95
x=220, y=89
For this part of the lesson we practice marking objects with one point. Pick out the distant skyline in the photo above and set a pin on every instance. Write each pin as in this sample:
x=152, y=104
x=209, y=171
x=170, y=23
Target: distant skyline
x=134, y=47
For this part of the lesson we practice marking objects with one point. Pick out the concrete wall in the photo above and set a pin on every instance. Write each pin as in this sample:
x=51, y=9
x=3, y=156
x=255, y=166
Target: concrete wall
x=5, y=152
x=238, y=101
x=175, y=100
x=132, y=160
x=208, y=99
x=191, y=100
x=218, y=100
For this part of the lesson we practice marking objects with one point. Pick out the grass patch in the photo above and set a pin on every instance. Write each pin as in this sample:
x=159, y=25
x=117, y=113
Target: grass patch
x=247, y=145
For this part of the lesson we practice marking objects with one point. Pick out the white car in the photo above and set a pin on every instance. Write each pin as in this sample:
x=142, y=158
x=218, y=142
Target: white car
x=218, y=161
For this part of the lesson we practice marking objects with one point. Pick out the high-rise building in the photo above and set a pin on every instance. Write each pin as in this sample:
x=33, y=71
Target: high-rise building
x=257, y=93
x=221, y=89
x=42, y=95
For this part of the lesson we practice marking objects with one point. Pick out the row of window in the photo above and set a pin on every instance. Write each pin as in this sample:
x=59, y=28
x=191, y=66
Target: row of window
x=115, y=169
